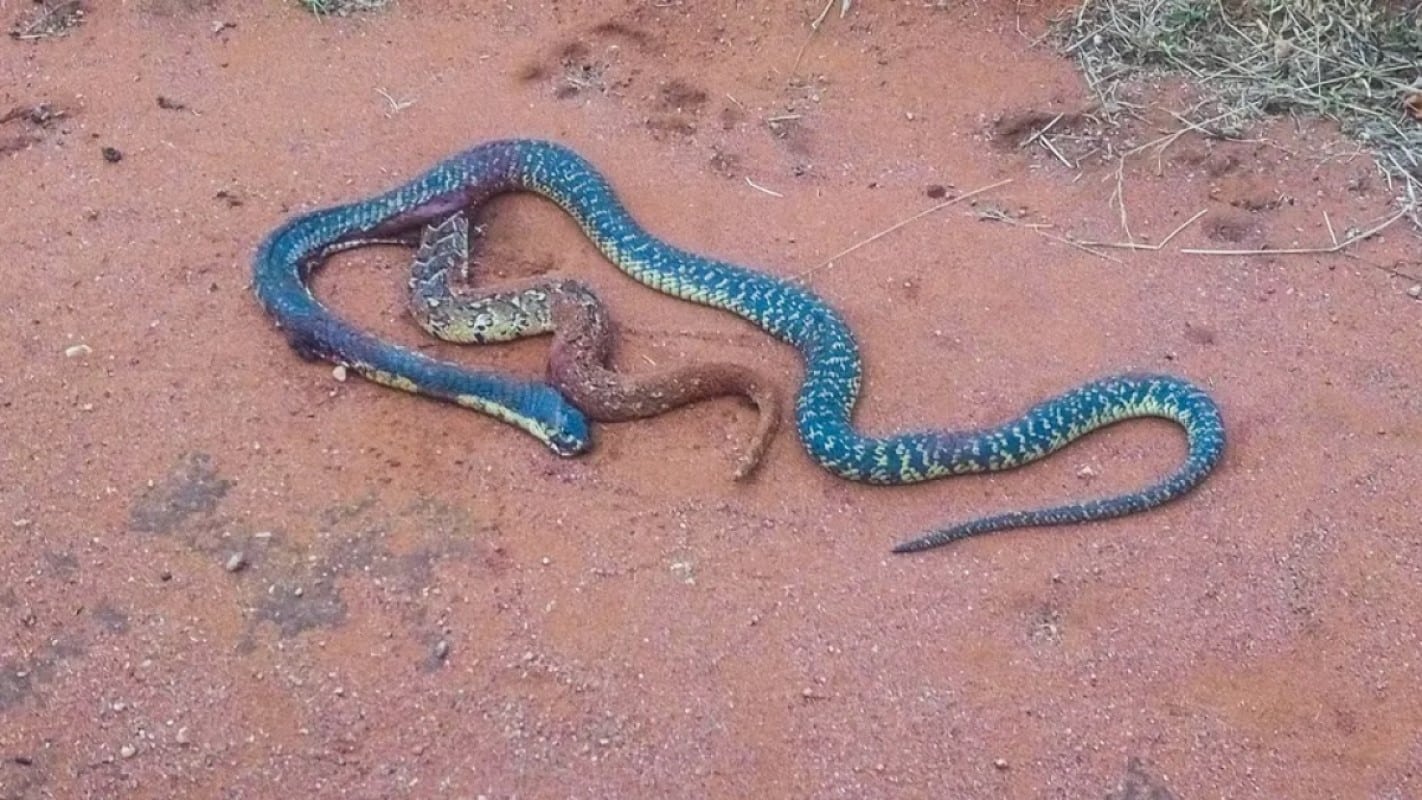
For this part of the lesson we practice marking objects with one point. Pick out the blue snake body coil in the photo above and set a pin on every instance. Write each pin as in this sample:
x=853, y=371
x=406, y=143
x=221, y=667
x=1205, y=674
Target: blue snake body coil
x=790, y=312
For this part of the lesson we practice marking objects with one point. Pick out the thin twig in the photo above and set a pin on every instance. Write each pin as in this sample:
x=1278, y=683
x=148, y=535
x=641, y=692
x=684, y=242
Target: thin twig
x=820, y=20
x=1206, y=132
x=1038, y=133
x=1118, y=197
x=998, y=216
x=1182, y=226
x=1041, y=135
x=814, y=29
x=1047, y=143
x=1158, y=246
x=885, y=232
x=396, y=106
x=1168, y=139
x=760, y=188
x=1077, y=245
x=1305, y=251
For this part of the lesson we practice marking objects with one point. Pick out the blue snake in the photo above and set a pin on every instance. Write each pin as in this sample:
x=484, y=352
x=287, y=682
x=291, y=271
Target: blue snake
x=790, y=312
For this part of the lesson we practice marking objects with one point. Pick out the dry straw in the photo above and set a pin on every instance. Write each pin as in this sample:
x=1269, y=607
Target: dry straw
x=341, y=8
x=1357, y=62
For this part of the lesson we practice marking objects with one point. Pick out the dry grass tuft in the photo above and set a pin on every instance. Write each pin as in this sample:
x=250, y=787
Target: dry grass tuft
x=1357, y=62
x=49, y=19
x=341, y=8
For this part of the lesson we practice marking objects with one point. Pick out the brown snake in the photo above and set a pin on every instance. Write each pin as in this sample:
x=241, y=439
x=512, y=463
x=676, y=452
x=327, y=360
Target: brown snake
x=583, y=335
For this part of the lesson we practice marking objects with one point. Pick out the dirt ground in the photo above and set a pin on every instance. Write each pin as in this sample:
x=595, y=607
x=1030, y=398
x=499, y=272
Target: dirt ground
x=224, y=573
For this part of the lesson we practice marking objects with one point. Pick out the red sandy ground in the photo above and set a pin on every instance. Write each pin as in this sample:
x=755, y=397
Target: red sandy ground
x=632, y=623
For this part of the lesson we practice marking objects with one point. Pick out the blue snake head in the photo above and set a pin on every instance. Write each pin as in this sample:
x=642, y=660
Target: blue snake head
x=561, y=426
x=571, y=437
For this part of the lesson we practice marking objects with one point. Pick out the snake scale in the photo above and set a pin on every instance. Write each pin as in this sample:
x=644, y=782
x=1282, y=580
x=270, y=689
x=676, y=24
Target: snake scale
x=582, y=340
x=790, y=312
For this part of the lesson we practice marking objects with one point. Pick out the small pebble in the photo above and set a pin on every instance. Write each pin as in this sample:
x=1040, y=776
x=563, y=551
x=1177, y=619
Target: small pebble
x=128, y=751
x=1086, y=473
x=441, y=649
x=546, y=561
x=1415, y=291
x=1000, y=763
x=339, y=373
x=235, y=562
x=75, y=351
x=181, y=737
x=112, y=155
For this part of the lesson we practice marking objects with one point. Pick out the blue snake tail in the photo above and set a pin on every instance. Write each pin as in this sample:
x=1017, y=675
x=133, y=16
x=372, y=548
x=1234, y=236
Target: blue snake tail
x=1063, y=419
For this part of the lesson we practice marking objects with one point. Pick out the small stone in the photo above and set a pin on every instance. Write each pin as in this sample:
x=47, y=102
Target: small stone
x=112, y=155
x=75, y=351
x=1000, y=763
x=1415, y=291
x=235, y=562
x=1086, y=473
x=128, y=751
x=546, y=561
x=181, y=737
x=339, y=373
x=441, y=649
